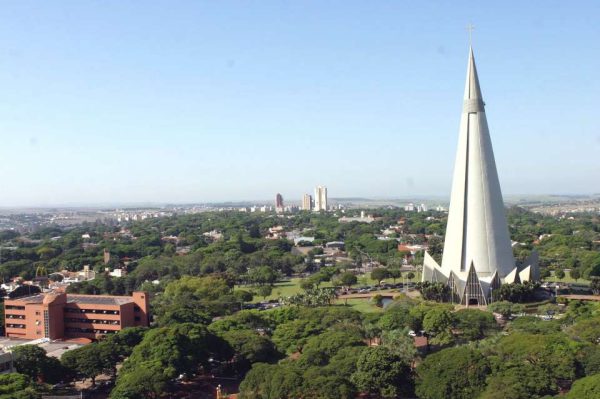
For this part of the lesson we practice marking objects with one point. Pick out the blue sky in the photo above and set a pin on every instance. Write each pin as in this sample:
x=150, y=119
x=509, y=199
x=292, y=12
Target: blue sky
x=192, y=101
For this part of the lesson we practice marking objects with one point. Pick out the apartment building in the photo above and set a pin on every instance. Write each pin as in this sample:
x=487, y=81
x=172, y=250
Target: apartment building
x=60, y=315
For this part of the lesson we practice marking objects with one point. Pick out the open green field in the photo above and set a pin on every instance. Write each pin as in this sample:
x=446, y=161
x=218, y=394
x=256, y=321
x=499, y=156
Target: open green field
x=362, y=305
x=567, y=279
x=292, y=286
x=280, y=289
x=365, y=279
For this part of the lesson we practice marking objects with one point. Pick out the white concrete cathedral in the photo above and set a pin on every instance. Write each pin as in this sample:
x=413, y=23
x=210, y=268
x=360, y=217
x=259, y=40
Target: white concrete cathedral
x=477, y=254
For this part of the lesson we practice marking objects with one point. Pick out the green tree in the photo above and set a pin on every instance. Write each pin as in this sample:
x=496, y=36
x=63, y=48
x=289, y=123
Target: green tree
x=32, y=361
x=377, y=299
x=348, y=279
x=194, y=300
x=263, y=275
x=575, y=274
x=379, y=274
x=473, y=324
x=243, y=296
x=265, y=381
x=148, y=381
x=595, y=285
x=381, y=372
x=326, y=383
x=264, y=291
x=518, y=382
x=16, y=386
x=438, y=292
x=554, y=353
x=453, y=373
x=397, y=317
x=25, y=290
x=399, y=343
x=534, y=325
x=559, y=274
x=91, y=360
x=251, y=346
x=394, y=273
x=589, y=358
x=320, y=348
x=587, y=330
x=549, y=309
x=588, y=387
x=163, y=354
x=438, y=323
x=505, y=308
x=291, y=336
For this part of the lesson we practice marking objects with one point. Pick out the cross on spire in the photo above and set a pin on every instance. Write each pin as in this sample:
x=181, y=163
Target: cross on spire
x=470, y=28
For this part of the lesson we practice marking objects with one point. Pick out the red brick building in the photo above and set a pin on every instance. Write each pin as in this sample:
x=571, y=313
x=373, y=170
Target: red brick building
x=60, y=315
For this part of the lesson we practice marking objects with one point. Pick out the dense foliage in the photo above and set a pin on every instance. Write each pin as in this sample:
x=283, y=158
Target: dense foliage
x=313, y=346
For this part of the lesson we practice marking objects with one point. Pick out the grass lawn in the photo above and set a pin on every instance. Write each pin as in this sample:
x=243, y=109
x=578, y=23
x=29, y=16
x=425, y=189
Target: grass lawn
x=567, y=279
x=362, y=305
x=281, y=289
x=292, y=286
x=365, y=279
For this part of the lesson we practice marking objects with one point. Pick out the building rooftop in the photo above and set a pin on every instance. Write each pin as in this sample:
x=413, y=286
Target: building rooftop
x=99, y=299
x=39, y=298
x=80, y=299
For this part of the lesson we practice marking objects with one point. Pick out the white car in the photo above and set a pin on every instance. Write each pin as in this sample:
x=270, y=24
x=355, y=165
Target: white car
x=412, y=333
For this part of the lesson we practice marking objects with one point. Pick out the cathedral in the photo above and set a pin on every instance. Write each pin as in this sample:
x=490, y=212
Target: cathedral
x=477, y=256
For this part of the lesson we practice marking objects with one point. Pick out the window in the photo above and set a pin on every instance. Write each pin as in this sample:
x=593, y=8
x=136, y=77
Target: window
x=91, y=321
x=46, y=324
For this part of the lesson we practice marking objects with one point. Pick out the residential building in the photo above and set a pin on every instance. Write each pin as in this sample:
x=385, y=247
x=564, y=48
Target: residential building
x=363, y=218
x=87, y=273
x=320, y=198
x=59, y=315
x=279, y=208
x=306, y=202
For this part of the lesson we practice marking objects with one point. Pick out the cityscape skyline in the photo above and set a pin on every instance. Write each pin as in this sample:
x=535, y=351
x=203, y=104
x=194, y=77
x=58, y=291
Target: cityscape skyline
x=270, y=199
x=137, y=115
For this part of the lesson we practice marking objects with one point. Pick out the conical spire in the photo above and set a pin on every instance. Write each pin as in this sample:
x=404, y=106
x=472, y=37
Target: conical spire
x=473, y=100
x=477, y=249
x=477, y=232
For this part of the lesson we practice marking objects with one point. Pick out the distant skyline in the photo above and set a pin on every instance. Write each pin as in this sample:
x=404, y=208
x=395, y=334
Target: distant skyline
x=194, y=102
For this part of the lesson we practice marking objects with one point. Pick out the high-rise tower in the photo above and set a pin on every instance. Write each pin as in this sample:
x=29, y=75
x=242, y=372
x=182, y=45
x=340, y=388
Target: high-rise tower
x=306, y=202
x=477, y=250
x=279, y=203
x=320, y=198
